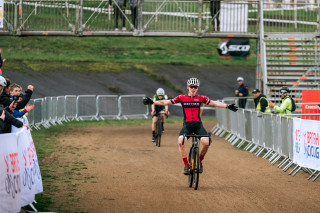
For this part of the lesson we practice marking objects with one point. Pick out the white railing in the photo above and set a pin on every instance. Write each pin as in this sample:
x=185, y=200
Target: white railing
x=268, y=135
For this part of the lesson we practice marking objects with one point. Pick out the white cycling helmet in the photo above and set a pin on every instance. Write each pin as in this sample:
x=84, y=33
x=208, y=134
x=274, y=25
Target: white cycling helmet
x=160, y=91
x=3, y=81
x=193, y=82
x=240, y=78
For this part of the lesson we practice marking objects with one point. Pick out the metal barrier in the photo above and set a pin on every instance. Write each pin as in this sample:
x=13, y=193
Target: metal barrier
x=264, y=134
x=55, y=110
x=130, y=106
x=71, y=107
x=107, y=106
x=61, y=109
x=86, y=107
x=38, y=112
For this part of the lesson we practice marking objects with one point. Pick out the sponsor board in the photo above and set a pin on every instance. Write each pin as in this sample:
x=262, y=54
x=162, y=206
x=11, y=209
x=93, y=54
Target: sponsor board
x=234, y=48
x=306, y=143
x=309, y=97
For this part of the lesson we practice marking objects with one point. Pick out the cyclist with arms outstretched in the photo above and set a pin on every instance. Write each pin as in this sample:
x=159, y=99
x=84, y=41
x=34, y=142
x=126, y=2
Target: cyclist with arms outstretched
x=191, y=104
x=158, y=109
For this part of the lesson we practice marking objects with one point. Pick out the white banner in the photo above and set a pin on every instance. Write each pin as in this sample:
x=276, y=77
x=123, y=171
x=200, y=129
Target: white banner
x=1, y=13
x=26, y=167
x=10, y=185
x=36, y=169
x=20, y=177
x=234, y=17
x=306, y=143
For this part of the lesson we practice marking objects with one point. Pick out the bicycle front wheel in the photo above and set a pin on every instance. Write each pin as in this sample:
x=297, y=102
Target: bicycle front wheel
x=158, y=133
x=196, y=168
x=190, y=176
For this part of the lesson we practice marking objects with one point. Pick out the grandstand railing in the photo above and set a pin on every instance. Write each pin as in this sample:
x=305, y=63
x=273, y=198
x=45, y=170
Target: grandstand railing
x=159, y=18
x=265, y=134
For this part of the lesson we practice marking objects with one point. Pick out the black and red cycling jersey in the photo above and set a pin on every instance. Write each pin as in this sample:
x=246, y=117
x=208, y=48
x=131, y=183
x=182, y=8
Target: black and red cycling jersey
x=191, y=106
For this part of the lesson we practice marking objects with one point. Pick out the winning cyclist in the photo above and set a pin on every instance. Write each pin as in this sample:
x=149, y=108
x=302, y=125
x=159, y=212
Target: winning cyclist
x=156, y=110
x=191, y=103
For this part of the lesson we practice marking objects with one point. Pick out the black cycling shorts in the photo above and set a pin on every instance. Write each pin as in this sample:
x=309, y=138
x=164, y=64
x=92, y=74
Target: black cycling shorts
x=158, y=109
x=195, y=127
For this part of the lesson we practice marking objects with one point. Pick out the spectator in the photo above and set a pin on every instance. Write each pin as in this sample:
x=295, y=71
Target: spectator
x=1, y=61
x=22, y=112
x=10, y=120
x=134, y=12
x=5, y=116
x=2, y=117
x=215, y=13
x=241, y=92
x=15, y=90
x=286, y=104
x=3, y=83
x=7, y=88
x=119, y=7
x=260, y=101
x=6, y=99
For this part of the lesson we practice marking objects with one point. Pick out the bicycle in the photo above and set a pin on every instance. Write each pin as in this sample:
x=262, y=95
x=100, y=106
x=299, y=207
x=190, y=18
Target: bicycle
x=194, y=159
x=159, y=129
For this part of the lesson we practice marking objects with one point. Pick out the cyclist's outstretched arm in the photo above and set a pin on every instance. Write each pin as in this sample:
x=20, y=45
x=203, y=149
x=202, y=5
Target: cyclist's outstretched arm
x=163, y=102
x=217, y=104
x=231, y=107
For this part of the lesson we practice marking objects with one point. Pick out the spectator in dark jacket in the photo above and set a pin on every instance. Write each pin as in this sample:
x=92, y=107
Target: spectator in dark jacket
x=22, y=112
x=134, y=12
x=5, y=98
x=260, y=101
x=241, y=92
x=8, y=121
x=119, y=7
x=2, y=117
x=215, y=13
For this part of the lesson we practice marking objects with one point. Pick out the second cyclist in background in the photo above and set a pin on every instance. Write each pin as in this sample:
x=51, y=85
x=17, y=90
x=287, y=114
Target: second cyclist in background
x=156, y=110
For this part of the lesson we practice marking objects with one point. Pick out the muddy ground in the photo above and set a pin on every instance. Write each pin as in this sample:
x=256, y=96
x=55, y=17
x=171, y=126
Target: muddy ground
x=125, y=172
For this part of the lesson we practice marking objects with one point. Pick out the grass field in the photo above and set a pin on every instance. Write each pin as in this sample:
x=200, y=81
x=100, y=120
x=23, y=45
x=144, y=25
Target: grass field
x=98, y=52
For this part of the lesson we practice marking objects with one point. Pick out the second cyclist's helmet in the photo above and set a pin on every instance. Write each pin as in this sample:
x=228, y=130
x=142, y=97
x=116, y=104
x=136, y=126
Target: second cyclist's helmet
x=193, y=82
x=285, y=88
x=160, y=91
x=3, y=81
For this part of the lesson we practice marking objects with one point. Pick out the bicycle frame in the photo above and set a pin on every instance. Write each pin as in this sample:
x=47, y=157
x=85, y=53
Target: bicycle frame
x=194, y=159
x=159, y=129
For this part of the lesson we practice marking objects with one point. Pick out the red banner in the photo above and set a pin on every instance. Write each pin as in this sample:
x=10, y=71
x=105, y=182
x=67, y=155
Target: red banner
x=309, y=97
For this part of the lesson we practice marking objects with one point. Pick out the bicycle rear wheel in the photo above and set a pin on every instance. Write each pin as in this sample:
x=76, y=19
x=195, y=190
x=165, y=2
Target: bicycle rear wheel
x=158, y=133
x=190, y=176
x=196, y=168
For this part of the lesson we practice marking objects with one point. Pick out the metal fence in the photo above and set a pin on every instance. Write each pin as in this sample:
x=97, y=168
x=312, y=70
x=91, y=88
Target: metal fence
x=265, y=134
x=201, y=18
x=54, y=110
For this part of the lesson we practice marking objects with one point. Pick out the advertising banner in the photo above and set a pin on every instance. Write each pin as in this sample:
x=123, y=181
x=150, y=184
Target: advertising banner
x=309, y=97
x=1, y=13
x=306, y=143
x=234, y=17
x=20, y=177
x=26, y=167
x=10, y=184
x=36, y=169
x=237, y=47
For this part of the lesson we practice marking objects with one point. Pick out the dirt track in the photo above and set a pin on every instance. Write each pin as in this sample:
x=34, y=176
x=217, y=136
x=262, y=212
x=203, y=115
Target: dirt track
x=130, y=174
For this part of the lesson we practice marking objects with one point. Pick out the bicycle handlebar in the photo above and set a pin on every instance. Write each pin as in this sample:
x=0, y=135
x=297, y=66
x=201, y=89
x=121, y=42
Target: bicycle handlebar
x=194, y=135
x=164, y=114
